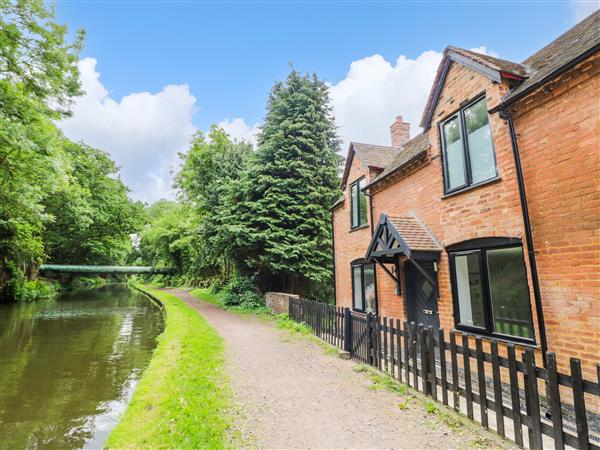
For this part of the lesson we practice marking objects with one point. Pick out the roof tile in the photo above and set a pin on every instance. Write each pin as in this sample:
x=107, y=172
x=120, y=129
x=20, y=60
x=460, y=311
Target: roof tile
x=416, y=236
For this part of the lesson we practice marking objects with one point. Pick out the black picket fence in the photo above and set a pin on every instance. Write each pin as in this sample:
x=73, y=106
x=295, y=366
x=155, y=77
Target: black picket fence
x=534, y=406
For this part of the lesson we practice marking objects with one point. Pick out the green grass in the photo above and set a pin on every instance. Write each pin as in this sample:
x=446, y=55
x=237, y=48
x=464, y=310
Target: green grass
x=209, y=296
x=183, y=397
x=218, y=299
x=282, y=320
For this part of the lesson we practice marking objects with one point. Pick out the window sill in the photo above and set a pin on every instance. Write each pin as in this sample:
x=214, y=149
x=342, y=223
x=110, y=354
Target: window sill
x=504, y=339
x=473, y=186
x=360, y=227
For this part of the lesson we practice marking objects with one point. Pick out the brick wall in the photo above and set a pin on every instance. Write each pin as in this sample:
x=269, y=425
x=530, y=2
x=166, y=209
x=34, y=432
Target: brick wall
x=490, y=210
x=558, y=138
x=278, y=302
x=558, y=134
x=349, y=244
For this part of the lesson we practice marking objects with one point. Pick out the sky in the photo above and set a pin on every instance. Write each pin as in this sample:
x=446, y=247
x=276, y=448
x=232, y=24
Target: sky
x=156, y=72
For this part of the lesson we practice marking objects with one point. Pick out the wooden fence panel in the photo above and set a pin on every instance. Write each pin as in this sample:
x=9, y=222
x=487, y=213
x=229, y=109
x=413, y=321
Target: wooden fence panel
x=413, y=354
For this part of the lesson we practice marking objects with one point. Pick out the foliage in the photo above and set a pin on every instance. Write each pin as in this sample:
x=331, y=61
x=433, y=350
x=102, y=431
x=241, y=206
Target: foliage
x=165, y=239
x=38, y=78
x=282, y=224
x=183, y=395
x=21, y=289
x=93, y=217
x=241, y=291
x=58, y=199
x=207, y=181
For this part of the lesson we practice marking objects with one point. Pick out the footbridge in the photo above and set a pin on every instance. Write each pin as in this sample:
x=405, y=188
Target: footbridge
x=108, y=270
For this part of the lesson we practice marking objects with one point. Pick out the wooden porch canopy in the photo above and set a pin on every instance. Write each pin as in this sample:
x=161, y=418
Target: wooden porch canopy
x=397, y=236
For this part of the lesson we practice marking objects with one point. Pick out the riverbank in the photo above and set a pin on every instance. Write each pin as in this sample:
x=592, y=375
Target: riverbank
x=182, y=399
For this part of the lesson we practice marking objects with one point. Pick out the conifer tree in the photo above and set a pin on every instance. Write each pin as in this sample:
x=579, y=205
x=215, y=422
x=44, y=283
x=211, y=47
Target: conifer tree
x=282, y=223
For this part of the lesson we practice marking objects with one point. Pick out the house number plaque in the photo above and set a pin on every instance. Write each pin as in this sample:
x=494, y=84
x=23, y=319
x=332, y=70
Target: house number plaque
x=428, y=311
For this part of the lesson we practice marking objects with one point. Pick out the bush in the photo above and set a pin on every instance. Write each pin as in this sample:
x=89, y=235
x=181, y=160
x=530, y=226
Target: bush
x=217, y=285
x=19, y=288
x=241, y=291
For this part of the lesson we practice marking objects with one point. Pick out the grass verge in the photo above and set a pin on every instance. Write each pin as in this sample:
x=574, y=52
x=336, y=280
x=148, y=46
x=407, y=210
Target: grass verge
x=182, y=399
x=282, y=320
x=218, y=299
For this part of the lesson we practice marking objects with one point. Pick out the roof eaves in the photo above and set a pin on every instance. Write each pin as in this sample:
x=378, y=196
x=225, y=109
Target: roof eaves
x=415, y=158
x=349, y=159
x=510, y=98
x=337, y=203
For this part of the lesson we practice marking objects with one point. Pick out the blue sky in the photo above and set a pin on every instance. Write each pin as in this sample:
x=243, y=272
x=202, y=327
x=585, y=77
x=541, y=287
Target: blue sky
x=226, y=56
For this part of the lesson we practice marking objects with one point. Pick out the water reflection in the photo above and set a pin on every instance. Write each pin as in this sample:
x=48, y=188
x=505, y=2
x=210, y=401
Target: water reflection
x=69, y=366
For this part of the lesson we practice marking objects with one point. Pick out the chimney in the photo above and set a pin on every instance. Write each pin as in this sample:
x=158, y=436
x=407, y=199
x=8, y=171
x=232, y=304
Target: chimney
x=400, y=132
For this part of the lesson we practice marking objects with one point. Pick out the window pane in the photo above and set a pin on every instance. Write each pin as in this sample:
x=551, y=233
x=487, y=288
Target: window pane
x=454, y=154
x=509, y=292
x=363, y=202
x=479, y=137
x=354, y=204
x=468, y=287
x=357, y=287
x=369, y=287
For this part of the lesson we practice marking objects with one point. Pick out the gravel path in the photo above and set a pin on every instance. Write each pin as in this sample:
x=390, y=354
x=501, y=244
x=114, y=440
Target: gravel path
x=293, y=395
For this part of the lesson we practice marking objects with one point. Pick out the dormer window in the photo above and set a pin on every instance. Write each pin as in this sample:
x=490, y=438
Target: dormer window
x=358, y=204
x=468, y=151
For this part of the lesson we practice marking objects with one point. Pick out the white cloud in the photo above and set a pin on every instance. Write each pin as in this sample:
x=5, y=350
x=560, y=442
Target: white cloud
x=583, y=8
x=375, y=91
x=143, y=132
x=240, y=130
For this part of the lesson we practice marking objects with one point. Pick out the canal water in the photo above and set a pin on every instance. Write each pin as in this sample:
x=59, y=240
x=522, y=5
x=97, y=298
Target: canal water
x=69, y=366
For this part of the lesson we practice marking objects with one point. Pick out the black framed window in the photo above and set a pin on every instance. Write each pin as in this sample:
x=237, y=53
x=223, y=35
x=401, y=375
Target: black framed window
x=364, y=294
x=358, y=203
x=489, y=286
x=468, y=151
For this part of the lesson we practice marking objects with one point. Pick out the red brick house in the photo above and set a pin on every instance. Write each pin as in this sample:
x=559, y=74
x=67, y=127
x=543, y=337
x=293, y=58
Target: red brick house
x=489, y=220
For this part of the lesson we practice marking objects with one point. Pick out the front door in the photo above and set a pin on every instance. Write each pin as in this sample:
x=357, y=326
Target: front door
x=422, y=299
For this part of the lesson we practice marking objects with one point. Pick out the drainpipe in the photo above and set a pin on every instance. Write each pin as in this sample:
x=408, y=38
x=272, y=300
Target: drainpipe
x=528, y=234
x=333, y=259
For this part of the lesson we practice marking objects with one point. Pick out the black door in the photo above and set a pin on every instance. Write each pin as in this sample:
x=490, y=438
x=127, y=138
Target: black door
x=421, y=295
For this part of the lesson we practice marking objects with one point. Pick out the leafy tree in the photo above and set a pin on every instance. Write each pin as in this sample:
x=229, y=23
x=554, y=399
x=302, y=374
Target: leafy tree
x=38, y=78
x=282, y=223
x=210, y=171
x=35, y=58
x=165, y=240
x=93, y=217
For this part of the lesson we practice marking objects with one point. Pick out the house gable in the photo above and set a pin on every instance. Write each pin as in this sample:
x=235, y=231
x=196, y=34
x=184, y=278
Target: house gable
x=372, y=159
x=494, y=69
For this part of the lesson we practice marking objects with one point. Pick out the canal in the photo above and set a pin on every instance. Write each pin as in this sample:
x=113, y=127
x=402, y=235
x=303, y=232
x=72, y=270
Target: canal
x=69, y=366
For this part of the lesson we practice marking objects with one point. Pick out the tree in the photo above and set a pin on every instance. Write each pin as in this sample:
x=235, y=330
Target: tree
x=207, y=178
x=92, y=216
x=35, y=58
x=165, y=239
x=38, y=78
x=282, y=223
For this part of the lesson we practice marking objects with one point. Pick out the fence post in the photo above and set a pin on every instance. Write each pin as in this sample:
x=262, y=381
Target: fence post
x=347, y=330
x=369, y=335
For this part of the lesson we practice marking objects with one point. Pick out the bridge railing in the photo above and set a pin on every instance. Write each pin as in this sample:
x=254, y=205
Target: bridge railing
x=65, y=268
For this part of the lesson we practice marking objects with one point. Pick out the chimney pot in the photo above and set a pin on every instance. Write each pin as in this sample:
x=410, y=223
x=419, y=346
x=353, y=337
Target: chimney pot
x=400, y=132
